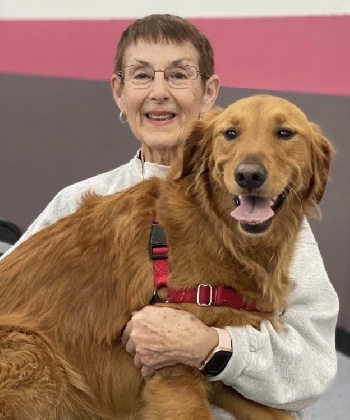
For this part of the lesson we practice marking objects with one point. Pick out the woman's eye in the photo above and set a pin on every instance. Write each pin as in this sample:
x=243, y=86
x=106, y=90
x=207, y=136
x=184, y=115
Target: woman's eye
x=230, y=134
x=142, y=76
x=178, y=75
x=285, y=134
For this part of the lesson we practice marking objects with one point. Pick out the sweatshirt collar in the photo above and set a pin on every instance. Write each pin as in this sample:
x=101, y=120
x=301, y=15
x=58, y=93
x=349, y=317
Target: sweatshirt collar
x=150, y=169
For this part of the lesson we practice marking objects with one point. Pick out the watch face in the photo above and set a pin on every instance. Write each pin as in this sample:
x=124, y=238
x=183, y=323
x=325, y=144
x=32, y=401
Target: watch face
x=218, y=362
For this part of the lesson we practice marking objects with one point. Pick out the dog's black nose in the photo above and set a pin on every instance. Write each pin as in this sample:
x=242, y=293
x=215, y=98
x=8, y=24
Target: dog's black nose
x=250, y=175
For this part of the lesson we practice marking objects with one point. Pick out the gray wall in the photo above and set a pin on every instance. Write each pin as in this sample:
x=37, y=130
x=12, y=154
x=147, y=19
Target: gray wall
x=54, y=132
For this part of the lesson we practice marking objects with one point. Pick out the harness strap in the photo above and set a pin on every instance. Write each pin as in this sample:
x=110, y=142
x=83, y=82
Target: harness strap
x=208, y=295
x=203, y=294
x=159, y=255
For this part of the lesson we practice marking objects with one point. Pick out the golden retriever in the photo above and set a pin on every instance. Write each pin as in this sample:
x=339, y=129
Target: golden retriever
x=231, y=211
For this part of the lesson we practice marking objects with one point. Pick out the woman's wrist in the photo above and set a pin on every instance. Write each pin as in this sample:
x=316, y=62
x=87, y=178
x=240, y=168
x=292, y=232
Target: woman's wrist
x=219, y=356
x=204, y=345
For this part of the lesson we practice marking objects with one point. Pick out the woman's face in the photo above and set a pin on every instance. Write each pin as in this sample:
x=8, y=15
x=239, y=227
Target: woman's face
x=159, y=114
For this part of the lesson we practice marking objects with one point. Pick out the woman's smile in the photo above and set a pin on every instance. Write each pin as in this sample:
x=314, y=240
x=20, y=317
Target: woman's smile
x=160, y=116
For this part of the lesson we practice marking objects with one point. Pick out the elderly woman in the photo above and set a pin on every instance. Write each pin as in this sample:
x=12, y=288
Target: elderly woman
x=163, y=79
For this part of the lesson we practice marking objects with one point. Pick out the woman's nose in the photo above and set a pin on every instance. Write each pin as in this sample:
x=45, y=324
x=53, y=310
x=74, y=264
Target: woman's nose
x=159, y=88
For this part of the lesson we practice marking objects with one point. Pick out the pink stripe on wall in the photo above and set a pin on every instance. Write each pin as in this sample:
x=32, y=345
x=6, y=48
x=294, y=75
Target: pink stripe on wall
x=302, y=54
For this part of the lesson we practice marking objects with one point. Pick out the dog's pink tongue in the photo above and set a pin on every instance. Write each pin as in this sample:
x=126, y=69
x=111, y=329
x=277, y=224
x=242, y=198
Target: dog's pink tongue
x=253, y=209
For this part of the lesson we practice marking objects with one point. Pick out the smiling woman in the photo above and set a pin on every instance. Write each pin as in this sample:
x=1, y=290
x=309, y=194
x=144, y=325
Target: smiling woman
x=276, y=370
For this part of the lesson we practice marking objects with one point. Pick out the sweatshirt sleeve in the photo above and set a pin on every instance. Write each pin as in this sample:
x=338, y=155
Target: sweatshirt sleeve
x=69, y=198
x=293, y=368
x=61, y=205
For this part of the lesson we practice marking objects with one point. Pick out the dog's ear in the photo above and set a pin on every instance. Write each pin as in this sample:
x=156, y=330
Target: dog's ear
x=322, y=153
x=198, y=144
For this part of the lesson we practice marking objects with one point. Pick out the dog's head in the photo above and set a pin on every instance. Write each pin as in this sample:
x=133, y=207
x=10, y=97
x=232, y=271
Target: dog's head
x=264, y=153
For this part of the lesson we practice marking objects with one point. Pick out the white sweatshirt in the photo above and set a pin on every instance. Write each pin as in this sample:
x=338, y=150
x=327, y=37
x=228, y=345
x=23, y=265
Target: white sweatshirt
x=289, y=370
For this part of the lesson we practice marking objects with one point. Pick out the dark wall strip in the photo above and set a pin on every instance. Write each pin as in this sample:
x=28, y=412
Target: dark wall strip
x=342, y=341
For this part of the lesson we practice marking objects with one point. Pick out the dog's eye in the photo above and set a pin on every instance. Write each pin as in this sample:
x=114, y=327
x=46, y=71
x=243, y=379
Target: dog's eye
x=285, y=134
x=230, y=134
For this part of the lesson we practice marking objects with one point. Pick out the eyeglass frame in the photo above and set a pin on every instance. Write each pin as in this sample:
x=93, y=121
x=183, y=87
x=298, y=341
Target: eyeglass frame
x=120, y=73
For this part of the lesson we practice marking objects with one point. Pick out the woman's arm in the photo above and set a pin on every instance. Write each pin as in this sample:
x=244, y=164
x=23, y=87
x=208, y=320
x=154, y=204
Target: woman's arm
x=293, y=368
x=288, y=370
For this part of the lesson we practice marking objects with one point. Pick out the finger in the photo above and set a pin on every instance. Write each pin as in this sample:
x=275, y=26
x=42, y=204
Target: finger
x=126, y=333
x=137, y=361
x=146, y=372
x=130, y=347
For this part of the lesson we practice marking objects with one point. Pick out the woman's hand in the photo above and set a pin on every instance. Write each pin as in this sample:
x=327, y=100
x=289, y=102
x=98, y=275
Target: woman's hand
x=160, y=336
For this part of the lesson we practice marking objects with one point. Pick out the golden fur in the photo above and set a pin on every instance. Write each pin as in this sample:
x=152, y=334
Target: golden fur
x=67, y=291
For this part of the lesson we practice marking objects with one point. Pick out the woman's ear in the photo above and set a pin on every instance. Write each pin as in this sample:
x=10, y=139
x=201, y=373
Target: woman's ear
x=212, y=86
x=117, y=90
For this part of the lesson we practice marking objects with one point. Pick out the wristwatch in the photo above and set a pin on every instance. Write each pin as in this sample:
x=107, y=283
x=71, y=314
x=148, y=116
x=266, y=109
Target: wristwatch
x=218, y=358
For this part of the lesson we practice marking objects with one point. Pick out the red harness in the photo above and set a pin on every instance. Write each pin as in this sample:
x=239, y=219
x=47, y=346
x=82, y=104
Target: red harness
x=203, y=294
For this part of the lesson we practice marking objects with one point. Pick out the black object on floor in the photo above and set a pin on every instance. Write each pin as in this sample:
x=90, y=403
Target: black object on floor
x=9, y=235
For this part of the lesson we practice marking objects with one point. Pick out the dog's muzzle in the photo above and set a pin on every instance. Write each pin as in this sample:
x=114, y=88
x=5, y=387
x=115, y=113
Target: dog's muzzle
x=255, y=213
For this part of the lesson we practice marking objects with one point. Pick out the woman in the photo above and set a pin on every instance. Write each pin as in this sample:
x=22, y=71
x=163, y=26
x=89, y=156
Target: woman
x=163, y=79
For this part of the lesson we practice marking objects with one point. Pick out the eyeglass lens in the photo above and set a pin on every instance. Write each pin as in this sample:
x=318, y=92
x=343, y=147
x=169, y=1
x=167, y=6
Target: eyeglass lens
x=176, y=76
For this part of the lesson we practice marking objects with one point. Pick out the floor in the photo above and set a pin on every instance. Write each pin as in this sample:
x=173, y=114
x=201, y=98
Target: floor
x=335, y=404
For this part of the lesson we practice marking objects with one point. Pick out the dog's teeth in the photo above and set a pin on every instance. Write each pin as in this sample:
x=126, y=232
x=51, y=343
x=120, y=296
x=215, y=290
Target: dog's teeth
x=252, y=223
x=236, y=200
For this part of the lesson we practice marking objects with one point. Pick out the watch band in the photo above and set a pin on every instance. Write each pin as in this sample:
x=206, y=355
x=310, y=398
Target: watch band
x=222, y=352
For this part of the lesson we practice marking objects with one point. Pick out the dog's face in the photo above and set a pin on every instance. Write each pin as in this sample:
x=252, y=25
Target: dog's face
x=261, y=150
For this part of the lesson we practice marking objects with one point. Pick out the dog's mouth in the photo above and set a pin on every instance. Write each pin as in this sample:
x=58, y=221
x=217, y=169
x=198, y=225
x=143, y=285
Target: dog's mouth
x=255, y=213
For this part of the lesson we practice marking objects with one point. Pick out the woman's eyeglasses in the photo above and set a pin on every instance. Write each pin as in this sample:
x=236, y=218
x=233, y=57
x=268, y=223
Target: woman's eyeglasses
x=175, y=76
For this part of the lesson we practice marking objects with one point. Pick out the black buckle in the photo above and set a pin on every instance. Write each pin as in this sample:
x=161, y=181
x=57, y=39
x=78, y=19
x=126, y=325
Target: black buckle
x=157, y=240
